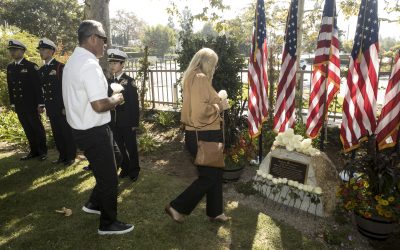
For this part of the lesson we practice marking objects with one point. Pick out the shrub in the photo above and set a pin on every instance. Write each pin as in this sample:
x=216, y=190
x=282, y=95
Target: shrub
x=166, y=119
x=11, y=130
x=226, y=76
x=147, y=144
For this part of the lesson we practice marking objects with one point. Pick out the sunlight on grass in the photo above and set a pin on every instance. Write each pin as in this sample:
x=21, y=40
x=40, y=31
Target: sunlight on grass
x=15, y=234
x=85, y=185
x=268, y=233
x=51, y=178
x=3, y=196
x=11, y=172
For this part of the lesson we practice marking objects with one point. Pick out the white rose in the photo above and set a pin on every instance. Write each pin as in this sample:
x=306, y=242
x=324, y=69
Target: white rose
x=290, y=183
x=269, y=176
x=300, y=186
x=259, y=172
x=306, y=142
x=289, y=147
x=223, y=95
x=116, y=87
x=290, y=131
x=264, y=175
x=284, y=180
x=275, y=181
x=308, y=188
x=296, y=184
x=317, y=190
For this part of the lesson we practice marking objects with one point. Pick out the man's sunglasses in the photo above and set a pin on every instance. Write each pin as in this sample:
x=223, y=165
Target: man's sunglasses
x=102, y=38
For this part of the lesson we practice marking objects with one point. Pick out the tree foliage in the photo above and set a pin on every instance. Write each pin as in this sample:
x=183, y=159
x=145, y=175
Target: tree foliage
x=159, y=39
x=126, y=26
x=55, y=19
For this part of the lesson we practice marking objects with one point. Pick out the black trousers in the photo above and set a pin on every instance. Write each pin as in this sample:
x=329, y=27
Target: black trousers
x=126, y=141
x=34, y=131
x=208, y=183
x=97, y=144
x=63, y=137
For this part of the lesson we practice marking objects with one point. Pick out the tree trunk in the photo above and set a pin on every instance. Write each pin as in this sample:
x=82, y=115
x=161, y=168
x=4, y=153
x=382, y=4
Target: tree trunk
x=98, y=10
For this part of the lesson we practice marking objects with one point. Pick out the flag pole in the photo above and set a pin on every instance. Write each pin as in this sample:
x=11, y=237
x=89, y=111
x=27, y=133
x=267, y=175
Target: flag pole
x=260, y=146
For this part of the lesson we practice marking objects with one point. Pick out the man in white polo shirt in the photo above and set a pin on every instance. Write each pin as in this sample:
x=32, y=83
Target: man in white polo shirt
x=87, y=109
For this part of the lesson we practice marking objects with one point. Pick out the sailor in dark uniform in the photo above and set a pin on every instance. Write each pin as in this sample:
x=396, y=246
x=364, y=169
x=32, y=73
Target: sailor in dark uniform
x=51, y=83
x=26, y=97
x=125, y=118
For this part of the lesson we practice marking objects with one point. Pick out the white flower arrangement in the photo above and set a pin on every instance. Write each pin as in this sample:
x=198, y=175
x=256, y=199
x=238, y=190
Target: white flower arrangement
x=291, y=142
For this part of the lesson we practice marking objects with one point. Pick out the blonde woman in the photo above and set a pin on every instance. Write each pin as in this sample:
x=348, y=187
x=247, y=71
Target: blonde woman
x=201, y=111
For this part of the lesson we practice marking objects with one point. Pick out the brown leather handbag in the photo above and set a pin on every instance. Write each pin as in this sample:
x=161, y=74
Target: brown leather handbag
x=210, y=154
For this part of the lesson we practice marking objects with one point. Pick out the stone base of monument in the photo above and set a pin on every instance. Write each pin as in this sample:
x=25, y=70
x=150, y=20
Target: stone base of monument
x=316, y=171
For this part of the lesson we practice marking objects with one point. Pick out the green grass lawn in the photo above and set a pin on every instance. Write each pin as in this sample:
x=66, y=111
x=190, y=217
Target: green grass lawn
x=31, y=191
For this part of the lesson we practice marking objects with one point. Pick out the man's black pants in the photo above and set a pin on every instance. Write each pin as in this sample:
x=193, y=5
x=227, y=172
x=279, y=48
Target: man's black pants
x=34, y=131
x=63, y=137
x=126, y=141
x=97, y=144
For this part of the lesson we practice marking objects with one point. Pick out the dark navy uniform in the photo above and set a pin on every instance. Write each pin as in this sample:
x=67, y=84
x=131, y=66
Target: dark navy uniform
x=124, y=121
x=26, y=95
x=51, y=82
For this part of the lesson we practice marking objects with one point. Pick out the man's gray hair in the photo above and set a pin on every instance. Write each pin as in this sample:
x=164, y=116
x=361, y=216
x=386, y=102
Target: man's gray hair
x=88, y=28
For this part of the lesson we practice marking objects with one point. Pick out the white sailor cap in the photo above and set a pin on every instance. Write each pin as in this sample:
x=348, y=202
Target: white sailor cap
x=46, y=44
x=15, y=44
x=115, y=55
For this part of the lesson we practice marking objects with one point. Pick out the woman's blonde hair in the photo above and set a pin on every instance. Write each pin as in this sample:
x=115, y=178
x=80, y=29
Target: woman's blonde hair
x=204, y=60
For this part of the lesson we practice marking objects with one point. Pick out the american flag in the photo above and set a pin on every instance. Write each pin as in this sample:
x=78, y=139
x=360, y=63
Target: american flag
x=258, y=79
x=326, y=73
x=284, y=114
x=389, y=120
x=359, y=105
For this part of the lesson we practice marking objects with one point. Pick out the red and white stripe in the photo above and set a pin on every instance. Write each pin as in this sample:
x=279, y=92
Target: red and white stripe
x=284, y=115
x=325, y=76
x=389, y=119
x=359, y=105
x=258, y=86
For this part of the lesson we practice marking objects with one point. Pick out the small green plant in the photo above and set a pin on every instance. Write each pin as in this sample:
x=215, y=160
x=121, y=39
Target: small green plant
x=245, y=188
x=147, y=144
x=165, y=119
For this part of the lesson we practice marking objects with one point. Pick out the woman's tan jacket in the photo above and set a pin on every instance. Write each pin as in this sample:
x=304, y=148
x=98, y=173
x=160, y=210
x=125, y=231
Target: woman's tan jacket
x=201, y=104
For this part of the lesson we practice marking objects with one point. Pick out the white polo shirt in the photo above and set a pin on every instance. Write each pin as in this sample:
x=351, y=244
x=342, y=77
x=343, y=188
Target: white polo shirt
x=84, y=82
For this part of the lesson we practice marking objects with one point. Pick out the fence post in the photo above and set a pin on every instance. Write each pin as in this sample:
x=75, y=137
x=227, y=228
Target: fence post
x=175, y=96
x=152, y=89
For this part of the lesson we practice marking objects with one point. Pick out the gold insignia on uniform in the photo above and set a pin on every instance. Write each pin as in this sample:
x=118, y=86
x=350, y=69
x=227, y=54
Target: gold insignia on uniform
x=24, y=71
x=36, y=67
x=52, y=73
x=124, y=82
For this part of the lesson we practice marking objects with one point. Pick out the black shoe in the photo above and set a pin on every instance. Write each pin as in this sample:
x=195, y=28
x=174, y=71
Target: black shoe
x=123, y=174
x=116, y=227
x=69, y=162
x=58, y=161
x=28, y=156
x=91, y=208
x=87, y=168
x=42, y=157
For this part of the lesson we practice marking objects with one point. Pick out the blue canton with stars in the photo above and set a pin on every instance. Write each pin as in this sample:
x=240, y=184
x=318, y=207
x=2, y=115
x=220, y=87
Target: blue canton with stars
x=367, y=27
x=291, y=29
x=261, y=31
